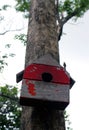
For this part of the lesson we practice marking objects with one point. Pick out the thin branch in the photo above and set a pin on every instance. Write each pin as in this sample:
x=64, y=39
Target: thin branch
x=11, y=98
x=57, y=13
x=11, y=31
x=60, y=25
x=68, y=17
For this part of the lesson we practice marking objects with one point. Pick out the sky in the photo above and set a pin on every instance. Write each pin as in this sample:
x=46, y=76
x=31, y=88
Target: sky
x=74, y=50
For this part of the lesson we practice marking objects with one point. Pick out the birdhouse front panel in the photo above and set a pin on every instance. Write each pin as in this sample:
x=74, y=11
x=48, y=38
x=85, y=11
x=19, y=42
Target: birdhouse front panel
x=47, y=91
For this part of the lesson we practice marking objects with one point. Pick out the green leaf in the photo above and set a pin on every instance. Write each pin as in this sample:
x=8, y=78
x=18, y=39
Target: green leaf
x=12, y=54
x=22, y=38
x=5, y=7
x=5, y=56
x=7, y=45
x=23, y=5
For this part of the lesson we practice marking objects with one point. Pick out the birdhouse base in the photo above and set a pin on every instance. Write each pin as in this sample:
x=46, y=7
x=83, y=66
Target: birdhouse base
x=43, y=103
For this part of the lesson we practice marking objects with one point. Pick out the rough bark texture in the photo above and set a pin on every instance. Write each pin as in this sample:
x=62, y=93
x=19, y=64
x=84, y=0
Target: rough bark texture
x=42, y=31
x=42, y=39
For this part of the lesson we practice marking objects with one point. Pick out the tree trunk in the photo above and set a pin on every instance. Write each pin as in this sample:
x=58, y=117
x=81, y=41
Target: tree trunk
x=42, y=39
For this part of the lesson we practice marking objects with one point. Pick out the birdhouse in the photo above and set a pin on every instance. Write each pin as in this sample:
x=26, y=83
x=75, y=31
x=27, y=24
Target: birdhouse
x=45, y=83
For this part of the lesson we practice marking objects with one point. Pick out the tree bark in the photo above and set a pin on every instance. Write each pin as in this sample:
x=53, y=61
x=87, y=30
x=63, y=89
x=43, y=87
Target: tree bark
x=42, y=39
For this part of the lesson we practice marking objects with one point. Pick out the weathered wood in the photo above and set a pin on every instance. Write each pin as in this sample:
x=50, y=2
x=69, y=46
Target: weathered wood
x=42, y=39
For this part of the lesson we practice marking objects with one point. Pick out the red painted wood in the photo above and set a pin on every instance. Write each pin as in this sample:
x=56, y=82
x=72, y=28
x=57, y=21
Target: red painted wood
x=31, y=87
x=34, y=72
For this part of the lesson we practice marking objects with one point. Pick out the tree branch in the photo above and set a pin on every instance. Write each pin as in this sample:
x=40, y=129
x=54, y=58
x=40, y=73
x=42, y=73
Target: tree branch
x=68, y=17
x=62, y=22
x=11, y=98
x=10, y=31
x=60, y=25
x=57, y=13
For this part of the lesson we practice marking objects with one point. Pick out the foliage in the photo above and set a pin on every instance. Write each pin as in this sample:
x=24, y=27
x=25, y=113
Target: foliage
x=4, y=57
x=22, y=5
x=66, y=8
x=2, y=61
x=5, y=7
x=75, y=8
x=10, y=111
x=22, y=38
